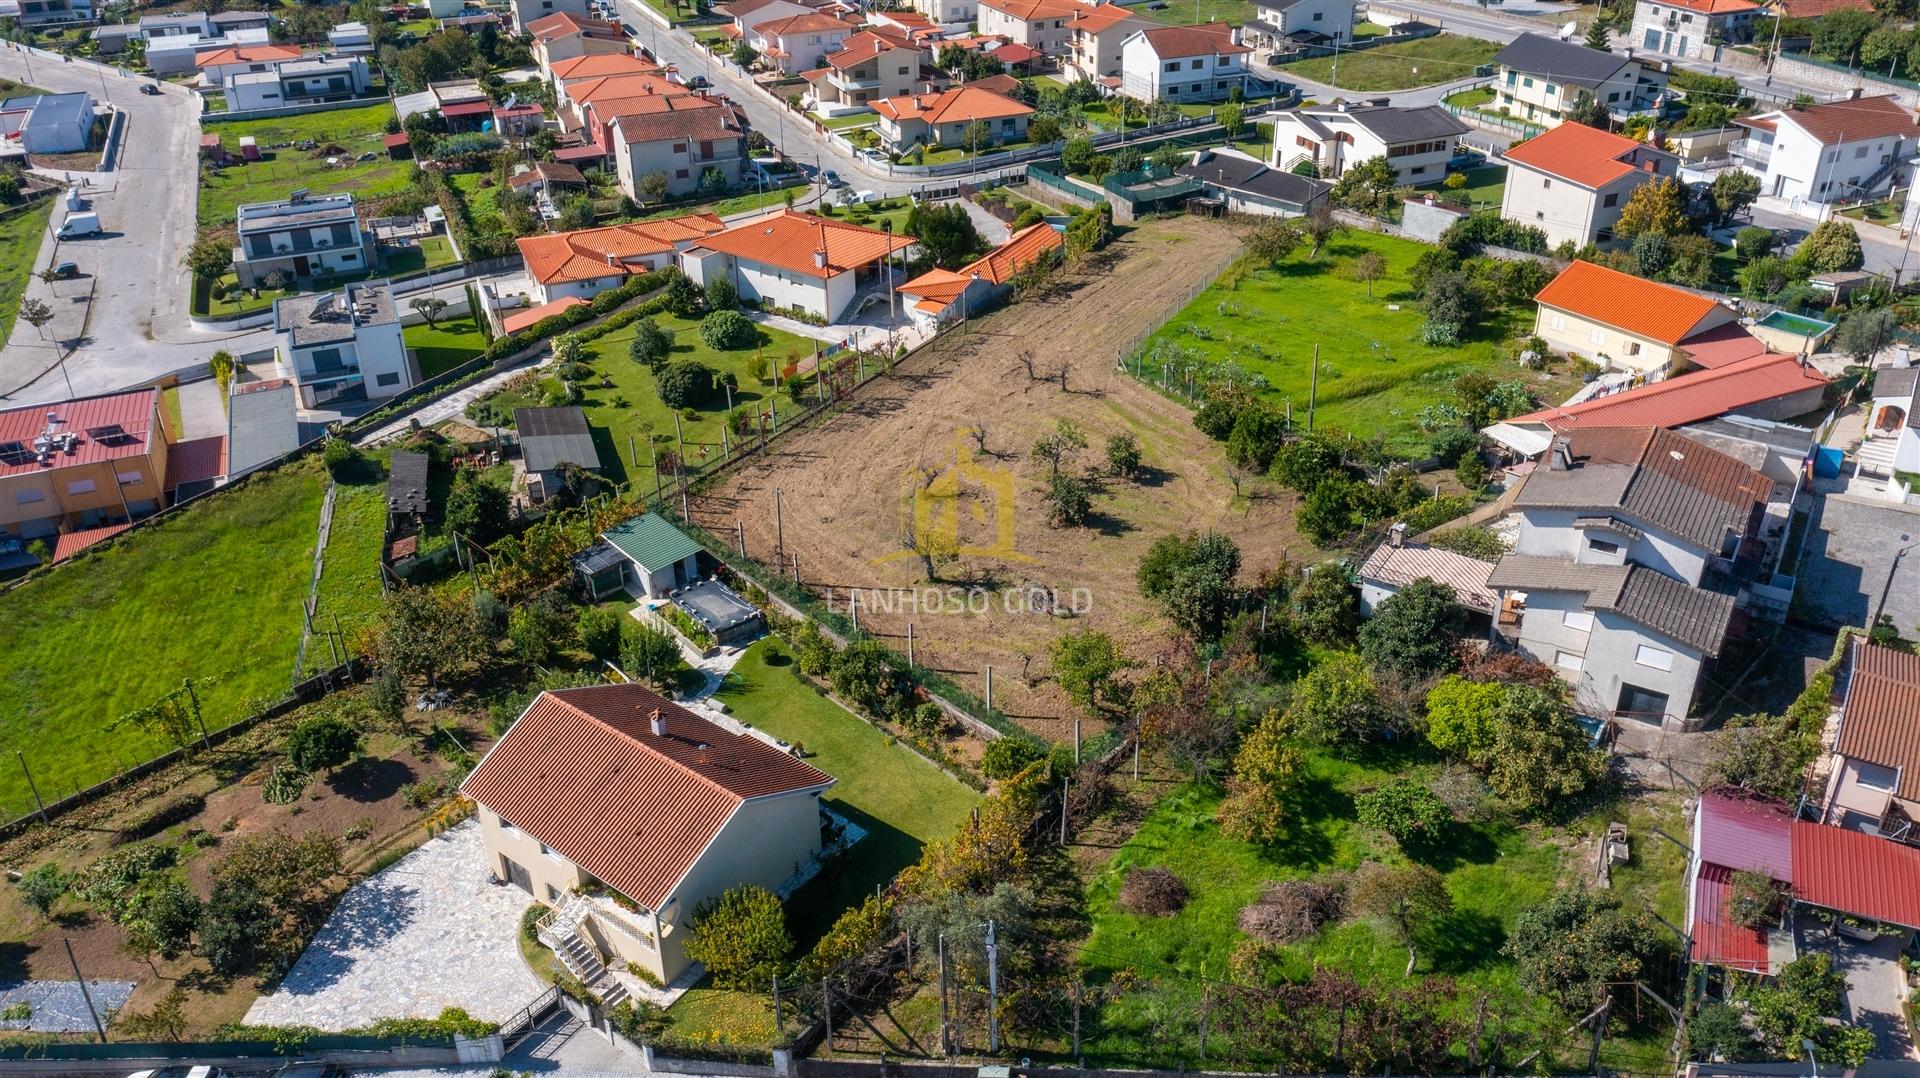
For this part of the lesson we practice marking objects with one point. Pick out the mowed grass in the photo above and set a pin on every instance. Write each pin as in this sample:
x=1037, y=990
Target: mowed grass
x=1398, y=67
x=1194, y=12
x=282, y=171
x=1493, y=871
x=213, y=593
x=900, y=799
x=1486, y=187
x=446, y=344
x=20, y=236
x=1375, y=372
x=350, y=575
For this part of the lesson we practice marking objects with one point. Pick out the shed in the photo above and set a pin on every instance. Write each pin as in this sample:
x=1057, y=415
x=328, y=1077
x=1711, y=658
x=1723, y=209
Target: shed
x=399, y=147
x=407, y=489
x=551, y=438
x=660, y=558
x=602, y=570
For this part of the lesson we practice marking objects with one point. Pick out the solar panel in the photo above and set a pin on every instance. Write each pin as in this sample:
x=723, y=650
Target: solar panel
x=109, y=434
x=15, y=453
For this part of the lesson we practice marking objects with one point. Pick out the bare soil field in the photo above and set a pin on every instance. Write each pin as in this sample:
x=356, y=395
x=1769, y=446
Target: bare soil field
x=898, y=461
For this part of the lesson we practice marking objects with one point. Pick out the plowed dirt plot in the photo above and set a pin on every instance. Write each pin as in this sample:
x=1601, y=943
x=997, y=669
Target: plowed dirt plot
x=849, y=484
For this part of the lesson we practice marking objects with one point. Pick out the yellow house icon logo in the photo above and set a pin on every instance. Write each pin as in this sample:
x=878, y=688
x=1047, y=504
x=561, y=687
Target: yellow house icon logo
x=931, y=508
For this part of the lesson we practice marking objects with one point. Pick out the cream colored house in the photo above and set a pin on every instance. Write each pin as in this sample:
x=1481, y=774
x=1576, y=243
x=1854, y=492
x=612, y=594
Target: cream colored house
x=1096, y=33
x=625, y=812
x=1541, y=79
x=1572, y=182
x=1628, y=323
x=1038, y=24
x=1873, y=774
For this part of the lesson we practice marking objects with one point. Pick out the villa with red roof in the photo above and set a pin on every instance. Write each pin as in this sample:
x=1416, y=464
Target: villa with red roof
x=1095, y=34
x=580, y=265
x=625, y=812
x=947, y=118
x=83, y=464
x=1573, y=181
x=797, y=43
x=564, y=36
x=872, y=64
x=1183, y=63
x=1629, y=323
x=796, y=261
x=1037, y=24
x=938, y=295
x=1691, y=29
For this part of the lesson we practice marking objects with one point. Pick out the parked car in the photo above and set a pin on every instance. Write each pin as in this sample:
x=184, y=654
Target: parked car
x=831, y=178
x=66, y=269
x=699, y=82
x=1466, y=159
x=151, y=89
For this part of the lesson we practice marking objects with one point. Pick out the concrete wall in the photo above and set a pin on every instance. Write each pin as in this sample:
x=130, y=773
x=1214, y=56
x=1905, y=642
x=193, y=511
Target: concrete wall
x=1598, y=661
x=1550, y=533
x=1426, y=222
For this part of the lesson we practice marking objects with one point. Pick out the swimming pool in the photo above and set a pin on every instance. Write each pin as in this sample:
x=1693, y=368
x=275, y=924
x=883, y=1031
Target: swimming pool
x=1794, y=323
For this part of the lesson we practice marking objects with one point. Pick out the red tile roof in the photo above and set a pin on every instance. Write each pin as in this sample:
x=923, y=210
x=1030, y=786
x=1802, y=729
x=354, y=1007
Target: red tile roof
x=1099, y=18
x=583, y=772
x=866, y=45
x=1857, y=873
x=810, y=23
x=793, y=241
x=1029, y=10
x=1853, y=121
x=133, y=414
x=1716, y=7
x=1016, y=53
x=246, y=54
x=938, y=288
x=592, y=253
x=962, y=104
x=1687, y=398
x=649, y=84
x=1641, y=307
x=1880, y=717
x=612, y=63
x=67, y=544
x=196, y=461
x=563, y=24
x=1580, y=154
x=1813, y=9
x=682, y=116
x=1721, y=345
x=520, y=320
x=1717, y=938
x=467, y=108
x=1205, y=40
x=590, y=152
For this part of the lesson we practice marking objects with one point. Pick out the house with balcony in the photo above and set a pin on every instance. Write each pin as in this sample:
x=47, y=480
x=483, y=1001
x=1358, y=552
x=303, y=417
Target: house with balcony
x=872, y=64
x=302, y=237
x=798, y=261
x=1278, y=24
x=952, y=15
x=1626, y=572
x=52, y=12
x=1540, y=79
x=947, y=118
x=585, y=263
x=1094, y=36
x=1573, y=181
x=1892, y=442
x=525, y=13
x=1840, y=151
x=308, y=80
x=563, y=36
x=343, y=346
x=798, y=43
x=81, y=465
x=1183, y=63
x=1040, y=25
x=1872, y=771
x=1692, y=29
x=177, y=24
x=624, y=812
x=1417, y=142
x=696, y=142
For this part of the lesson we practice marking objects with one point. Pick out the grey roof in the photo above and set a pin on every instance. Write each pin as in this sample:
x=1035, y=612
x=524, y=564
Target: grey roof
x=299, y=215
x=550, y=437
x=1395, y=124
x=240, y=18
x=317, y=65
x=1562, y=61
x=192, y=18
x=598, y=558
x=325, y=317
x=1242, y=174
x=1896, y=382
x=1655, y=477
x=407, y=482
x=1532, y=572
x=1695, y=616
x=75, y=107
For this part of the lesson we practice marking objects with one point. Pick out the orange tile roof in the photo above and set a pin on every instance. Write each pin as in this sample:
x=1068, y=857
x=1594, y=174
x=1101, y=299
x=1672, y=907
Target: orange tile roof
x=1716, y=7
x=680, y=117
x=792, y=241
x=520, y=320
x=1029, y=10
x=1169, y=41
x=1644, y=308
x=246, y=54
x=866, y=45
x=962, y=104
x=583, y=772
x=67, y=544
x=1576, y=152
x=938, y=287
x=810, y=23
x=1101, y=17
x=561, y=24
x=1852, y=121
x=602, y=65
x=592, y=253
x=1689, y=397
x=632, y=85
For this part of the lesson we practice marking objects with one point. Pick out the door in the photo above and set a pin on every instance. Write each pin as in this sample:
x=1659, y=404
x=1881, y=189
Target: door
x=517, y=874
x=301, y=267
x=1642, y=705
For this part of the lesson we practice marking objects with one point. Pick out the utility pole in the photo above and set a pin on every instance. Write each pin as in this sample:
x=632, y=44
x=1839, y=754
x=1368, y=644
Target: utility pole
x=993, y=993
x=946, y=1026
x=1066, y=783
x=826, y=1010
x=31, y=785
x=1313, y=387
x=779, y=531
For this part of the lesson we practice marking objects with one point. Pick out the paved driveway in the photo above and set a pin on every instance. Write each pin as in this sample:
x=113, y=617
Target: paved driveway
x=1875, y=984
x=428, y=933
x=1850, y=568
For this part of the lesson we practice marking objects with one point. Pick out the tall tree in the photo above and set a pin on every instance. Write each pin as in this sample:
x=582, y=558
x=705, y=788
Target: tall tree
x=1413, y=633
x=1660, y=206
x=430, y=634
x=1406, y=899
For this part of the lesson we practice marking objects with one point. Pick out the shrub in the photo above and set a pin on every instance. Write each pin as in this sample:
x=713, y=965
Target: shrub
x=1152, y=892
x=340, y=458
x=173, y=811
x=321, y=744
x=1123, y=456
x=685, y=383
x=599, y=631
x=741, y=937
x=651, y=345
x=1406, y=810
x=285, y=783
x=727, y=330
x=1009, y=756
x=1755, y=900
x=42, y=888
x=1295, y=909
x=1753, y=242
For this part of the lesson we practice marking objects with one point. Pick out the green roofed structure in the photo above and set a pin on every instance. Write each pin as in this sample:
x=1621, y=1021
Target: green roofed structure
x=645, y=556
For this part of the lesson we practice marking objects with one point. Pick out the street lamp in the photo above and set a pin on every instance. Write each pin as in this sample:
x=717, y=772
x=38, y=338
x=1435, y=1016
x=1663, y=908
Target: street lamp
x=1807, y=1046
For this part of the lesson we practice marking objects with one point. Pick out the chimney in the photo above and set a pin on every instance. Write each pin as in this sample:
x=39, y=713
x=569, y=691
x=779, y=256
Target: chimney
x=1562, y=457
x=658, y=723
x=1854, y=94
x=1397, y=535
x=819, y=260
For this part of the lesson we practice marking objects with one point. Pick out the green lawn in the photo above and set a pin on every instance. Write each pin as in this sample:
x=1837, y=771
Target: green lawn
x=350, y=578
x=1486, y=186
x=1375, y=372
x=20, y=237
x=1398, y=67
x=446, y=345
x=902, y=800
x=431, y=253
x=1879, y=213
x=212, y=593
x=355, y=131
x=1370, y=29
x=482, y=201
x=848, y=120
x=1193, y=12
x=1472, y=97
x=1493, y=871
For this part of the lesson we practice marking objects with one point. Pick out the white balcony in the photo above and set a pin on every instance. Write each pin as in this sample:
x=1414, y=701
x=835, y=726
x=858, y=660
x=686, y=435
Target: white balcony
x=1751, y=151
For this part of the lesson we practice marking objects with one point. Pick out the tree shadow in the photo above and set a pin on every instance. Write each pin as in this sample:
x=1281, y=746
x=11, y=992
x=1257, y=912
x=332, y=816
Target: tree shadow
x=1305, y=845
x=13, y=961
x=1462, y=844
x=367, y=780
x=1463, y=941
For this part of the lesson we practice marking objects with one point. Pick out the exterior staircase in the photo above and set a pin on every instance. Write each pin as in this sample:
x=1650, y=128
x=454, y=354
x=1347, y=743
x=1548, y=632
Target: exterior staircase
x=1875, y=456
x=560, y=930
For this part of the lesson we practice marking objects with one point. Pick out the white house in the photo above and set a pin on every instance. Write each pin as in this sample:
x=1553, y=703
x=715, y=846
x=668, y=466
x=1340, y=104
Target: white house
x=343, y=346
x=180, y=53
x=1692, y=29
x=1573, y=181
x=1307, y=22
x=1038, y=24
x=795, y=261
x=1095, y=34
x=952, y=15
x=872, y=64
x=797, y=43
x=1541, y=79
x=299, y=82
x=217, y=65
x=48, y=123
x=527, y=12
x=697, y=143
x=304, y=236
x=176, y=24
x=1823, y=153
x=1183, y=63
x=1892, y=442
x=585, y=263
x=1623, y=574
x=1417, y=142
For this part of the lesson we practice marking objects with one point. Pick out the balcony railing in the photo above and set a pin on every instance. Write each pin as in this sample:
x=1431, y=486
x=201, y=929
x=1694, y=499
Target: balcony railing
x=1751, y=150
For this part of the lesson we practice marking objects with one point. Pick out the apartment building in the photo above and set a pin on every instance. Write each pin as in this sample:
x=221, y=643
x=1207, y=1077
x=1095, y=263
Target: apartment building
x=82, y=464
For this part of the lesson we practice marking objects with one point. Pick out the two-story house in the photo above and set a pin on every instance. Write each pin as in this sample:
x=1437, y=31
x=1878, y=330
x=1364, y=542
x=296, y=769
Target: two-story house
x=562, y=36
x=587, y=262
x=1183, y=63
x=527, y=12
x=1623, y=576
x=1824, y=153
x=176, y=24
x=589, y=106
x=870, y=65
x=82, y=464
x=947, y=118
x=1417, y=142
x=1873, y=771
x=798, y=43
x=1305, y=22
x=1628, y=323
x=690, y=139
x=1573, y=181
x=304, y=236
x=343, y=346
x=223, y=63
x=1095, y=34
x=1541, y=79
x=1040, y=25
x=1692, y=29
x=307, y=80
x=952, y=15
x=53, y=12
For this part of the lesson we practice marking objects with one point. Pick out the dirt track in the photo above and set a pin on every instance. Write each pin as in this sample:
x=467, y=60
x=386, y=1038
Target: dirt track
x=848, y=484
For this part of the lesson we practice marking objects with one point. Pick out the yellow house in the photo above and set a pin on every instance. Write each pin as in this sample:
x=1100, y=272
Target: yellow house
x=1628, y=323
x=82, y=464
x=624, y=812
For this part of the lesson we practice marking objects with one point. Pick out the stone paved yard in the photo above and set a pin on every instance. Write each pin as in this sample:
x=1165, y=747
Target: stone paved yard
x=428, y=933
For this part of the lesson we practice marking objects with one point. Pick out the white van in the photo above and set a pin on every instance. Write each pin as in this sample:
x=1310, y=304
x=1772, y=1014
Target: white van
x=80, y=224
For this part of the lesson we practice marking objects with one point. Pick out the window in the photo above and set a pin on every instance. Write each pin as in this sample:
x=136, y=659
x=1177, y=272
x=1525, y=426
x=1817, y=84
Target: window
x=1633, y=348
x=28, y=497
x=1416, y=170
x=679, y=147
x=1875, y=777
x=80, y=486
x=1527, y=82
x=1602, y=546
x=1512, y=77
x=1197, y=65
x=1611, y=200
x=128, y=479
x=1566, y=660
x=1577, y=620
x=1557, y=322
x=1860, y=152
x=1641, y=703
x=388, y=379
x=1658, y=658
x=1596, y=336
x=1172, y=90
x=1173, y=66
x=553, y=893
x=680, y=174
x=506, y=824
x=1318, y=15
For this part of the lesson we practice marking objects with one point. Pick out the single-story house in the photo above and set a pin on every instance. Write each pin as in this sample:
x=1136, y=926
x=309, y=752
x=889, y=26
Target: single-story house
x=551, y=439
x=657, y=558
x=584, y=263
x=795, y=261
x=48, y=123
x=1396, y=563
x=1245, y=185
x=939, y=295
